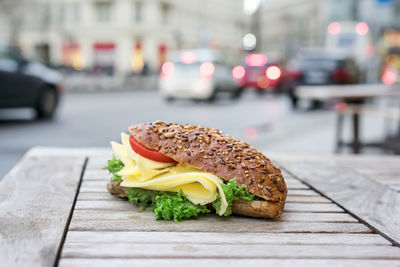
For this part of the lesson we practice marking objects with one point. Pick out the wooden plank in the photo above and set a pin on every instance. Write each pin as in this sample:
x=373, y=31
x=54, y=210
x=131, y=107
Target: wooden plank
x=36, y=198
x=225, y=238
x=125, y=205
x=98, y=162
x=133, y=250
x=167, y=262
x=97, y=175
x=302, y=192
x=286, y=216
x=212, y=223
x=375, y=204
x=306, y=199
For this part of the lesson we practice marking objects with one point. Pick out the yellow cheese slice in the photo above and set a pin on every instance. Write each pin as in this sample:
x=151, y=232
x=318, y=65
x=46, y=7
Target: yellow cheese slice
x=198, y=186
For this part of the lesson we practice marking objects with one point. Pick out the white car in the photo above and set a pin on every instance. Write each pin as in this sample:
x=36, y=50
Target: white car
x=196, y=74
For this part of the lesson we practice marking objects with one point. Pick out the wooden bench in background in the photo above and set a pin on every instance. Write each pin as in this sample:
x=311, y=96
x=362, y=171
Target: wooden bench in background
x=341, y=211
x=356, y=95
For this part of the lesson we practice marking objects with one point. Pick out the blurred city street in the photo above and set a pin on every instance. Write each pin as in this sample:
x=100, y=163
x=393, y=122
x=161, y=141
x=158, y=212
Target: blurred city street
x=122, y=62
x=94, y=119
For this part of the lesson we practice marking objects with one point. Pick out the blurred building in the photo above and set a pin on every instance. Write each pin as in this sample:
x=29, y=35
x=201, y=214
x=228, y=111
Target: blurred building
x=287, y=25
x=125, y=36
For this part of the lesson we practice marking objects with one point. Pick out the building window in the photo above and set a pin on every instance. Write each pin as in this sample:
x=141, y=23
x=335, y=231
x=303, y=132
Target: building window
x=165, y=13
x=61, y=14
x=103, y=11
x=76, y=9
x=138, y=12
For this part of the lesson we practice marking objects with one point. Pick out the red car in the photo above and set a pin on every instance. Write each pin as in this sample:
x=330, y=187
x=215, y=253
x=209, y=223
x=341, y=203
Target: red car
x=258, y=73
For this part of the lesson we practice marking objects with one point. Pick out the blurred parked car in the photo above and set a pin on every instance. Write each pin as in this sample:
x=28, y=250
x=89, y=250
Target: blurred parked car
x=26, y=83
x=257, y=72
x=320, y=67
x=196, y=74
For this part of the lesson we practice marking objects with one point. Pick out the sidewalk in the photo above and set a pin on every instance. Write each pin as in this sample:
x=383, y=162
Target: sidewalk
x=314, y=132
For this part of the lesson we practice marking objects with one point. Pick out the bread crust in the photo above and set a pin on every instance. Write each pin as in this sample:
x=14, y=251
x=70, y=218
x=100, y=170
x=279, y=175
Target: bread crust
x=255, y=208
x=213, y=151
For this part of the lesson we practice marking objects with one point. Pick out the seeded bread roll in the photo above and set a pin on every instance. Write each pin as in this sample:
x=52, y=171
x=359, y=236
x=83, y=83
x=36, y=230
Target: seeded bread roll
x=213, y=151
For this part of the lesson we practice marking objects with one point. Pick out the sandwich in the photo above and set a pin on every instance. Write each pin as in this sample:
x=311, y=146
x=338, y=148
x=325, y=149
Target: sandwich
x=181, y=171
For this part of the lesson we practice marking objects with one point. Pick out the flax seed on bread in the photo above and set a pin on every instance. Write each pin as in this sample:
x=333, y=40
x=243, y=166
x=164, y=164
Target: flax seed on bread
x=213, y=151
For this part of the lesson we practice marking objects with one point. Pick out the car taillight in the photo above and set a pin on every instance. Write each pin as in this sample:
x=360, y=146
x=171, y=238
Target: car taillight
x=340, y=76
x=167, y=70
x=207, y=70
x=238, y=72
x=256, y=60
x=273, y=72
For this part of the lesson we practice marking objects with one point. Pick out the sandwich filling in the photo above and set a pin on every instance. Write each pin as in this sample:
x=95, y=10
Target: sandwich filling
x=198, y=186
x=174, y=190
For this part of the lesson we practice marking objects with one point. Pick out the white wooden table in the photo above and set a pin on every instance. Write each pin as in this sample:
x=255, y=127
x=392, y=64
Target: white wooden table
x=340, y=211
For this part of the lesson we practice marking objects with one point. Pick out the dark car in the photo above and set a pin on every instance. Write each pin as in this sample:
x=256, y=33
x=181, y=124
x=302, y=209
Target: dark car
x=26, y=83
x=320, y=67
x=257, y=72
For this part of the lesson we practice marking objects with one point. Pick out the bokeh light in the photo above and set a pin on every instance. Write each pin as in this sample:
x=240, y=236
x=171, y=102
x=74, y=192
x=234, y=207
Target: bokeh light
x=249, y=41
x=362, y=28
x=273, y=72
x=263, y=82
x=334, y=28
x=167, y=70
x=256, y=60
x=389, y=77
x=251, y=132
x=188, y=57
x=207, y=70
x=340, y=107
x=238, y=72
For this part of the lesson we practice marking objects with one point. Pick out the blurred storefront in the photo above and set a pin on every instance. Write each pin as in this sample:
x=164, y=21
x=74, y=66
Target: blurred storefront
x=288, y=25
x=125, y=36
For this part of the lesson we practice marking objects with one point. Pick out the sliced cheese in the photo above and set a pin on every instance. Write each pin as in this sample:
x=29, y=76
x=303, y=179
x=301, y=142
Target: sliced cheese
x=198, y=186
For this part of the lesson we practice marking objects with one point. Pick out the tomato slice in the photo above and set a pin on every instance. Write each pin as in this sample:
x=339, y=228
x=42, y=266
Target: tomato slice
x=147, y=152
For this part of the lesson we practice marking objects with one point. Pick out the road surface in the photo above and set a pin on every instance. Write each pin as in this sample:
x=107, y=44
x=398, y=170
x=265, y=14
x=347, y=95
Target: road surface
x=94, y=119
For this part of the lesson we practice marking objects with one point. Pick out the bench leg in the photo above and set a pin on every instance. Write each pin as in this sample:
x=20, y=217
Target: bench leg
x=356, y=131
x=339, y=129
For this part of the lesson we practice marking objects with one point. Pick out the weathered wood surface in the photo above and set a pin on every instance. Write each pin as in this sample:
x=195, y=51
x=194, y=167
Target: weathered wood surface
x=76, y=237
x=108, y=231
x=372, y=202
x=171, y=262
x=36, y=198
x=227, y=251
x=384, y=169
x=312, y=227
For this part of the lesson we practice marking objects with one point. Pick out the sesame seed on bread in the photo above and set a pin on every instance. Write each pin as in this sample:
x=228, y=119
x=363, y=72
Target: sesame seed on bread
x=213, y=151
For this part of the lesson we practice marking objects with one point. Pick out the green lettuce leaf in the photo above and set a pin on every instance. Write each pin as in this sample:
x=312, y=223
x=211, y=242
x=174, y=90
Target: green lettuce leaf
x=142, y=197
x=175, y=206
x=113, y=166
x=232, y=192
x=166, y=205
